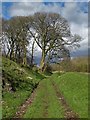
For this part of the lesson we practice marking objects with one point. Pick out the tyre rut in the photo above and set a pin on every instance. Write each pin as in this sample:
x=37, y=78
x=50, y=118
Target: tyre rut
x=68, y=112
x=45, y=102
x=23, y=108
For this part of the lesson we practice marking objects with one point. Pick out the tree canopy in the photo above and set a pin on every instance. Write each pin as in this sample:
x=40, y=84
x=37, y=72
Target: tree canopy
x=50, y=31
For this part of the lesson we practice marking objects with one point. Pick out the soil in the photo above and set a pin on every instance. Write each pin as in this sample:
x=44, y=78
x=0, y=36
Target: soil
x=69, y=114
x=22, y=109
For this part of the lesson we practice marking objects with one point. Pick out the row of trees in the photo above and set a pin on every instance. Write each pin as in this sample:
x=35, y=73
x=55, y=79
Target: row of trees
x=49, y=31
x=78, y=64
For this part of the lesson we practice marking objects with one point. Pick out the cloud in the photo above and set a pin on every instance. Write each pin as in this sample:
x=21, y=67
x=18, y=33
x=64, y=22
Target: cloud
x=78, y=20
x=0, y=9
x=75, y=13
x=66, y=0
x=71, y=11
x=24, y=9
x=46, y=1
x=22, y=1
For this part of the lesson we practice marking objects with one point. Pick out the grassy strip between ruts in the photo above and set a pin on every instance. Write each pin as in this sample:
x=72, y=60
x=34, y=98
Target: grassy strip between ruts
x=45, y=97
x=74, y=87
x=35, y=110
x=55, y=109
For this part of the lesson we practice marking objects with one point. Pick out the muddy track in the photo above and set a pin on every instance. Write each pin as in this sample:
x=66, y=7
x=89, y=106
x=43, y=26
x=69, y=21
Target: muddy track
x=45, y=104
x=45, y=114
x=69, y=114
x=23, y=108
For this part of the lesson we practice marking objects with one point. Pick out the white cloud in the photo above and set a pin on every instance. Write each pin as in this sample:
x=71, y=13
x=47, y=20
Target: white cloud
x=77, y=19
x=73, y=13
x=0, y=10
x=22, y=1
x=45, y=1
x=26, y=8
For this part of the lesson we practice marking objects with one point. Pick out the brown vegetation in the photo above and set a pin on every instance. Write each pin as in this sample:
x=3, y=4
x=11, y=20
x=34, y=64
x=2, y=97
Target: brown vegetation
x=78, y=64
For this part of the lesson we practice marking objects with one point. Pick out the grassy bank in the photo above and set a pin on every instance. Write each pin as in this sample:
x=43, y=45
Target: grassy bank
x=74, y=87
x=18, y=84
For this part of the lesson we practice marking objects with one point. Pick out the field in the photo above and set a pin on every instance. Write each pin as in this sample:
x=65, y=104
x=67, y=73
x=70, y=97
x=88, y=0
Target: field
x=63, y=95
x=22, y=81
x=35, y=95
x=74, y=88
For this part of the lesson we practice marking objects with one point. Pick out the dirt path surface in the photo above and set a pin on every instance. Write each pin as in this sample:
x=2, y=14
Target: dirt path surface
x=45, y=103
x=69, y=114
x=23, y=108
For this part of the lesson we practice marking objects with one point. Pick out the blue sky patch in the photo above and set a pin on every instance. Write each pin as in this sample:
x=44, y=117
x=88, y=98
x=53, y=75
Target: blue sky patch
x=5, y=9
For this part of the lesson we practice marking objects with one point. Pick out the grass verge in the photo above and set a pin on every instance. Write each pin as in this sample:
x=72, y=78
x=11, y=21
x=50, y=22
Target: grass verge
x=74, y=87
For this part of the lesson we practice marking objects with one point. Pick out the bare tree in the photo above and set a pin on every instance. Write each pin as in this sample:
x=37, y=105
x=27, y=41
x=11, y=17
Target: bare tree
x=16, y=33
x=48, y=31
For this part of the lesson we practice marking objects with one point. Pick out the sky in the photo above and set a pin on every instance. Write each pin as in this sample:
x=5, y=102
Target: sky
x=75, y=12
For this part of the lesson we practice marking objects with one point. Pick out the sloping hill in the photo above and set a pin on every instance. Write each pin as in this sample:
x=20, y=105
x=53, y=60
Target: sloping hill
x=18, y=84
x=74, y=87
x=61, y=95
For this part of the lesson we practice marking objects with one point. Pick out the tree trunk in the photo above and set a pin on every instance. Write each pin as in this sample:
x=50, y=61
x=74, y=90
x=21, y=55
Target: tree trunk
x=24, y=57
x=32, y=54
x=42, y=62
x=11, y=53
x=12, y=49
x=16, y=53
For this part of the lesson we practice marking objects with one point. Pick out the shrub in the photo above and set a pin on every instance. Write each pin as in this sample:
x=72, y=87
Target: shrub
x=48, y=69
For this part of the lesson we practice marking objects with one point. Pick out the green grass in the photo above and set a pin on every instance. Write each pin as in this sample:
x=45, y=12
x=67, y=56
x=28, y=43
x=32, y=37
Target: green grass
x=23, y=80
x=36, y=108
x=45, y=96
x=74, y=87
x=11, y=102
x=0, y=110
x=14, y=72
x=55, y=109
x=36, y=75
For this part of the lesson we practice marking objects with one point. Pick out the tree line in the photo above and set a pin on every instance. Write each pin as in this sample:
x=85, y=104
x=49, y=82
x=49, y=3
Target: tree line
x=49, y=31
x=78, y=64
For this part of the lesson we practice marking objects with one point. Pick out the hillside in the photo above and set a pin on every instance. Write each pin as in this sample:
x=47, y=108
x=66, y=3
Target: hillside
x=74, y=87
x=61, y=96
x=18, y=84
x=30, y=94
